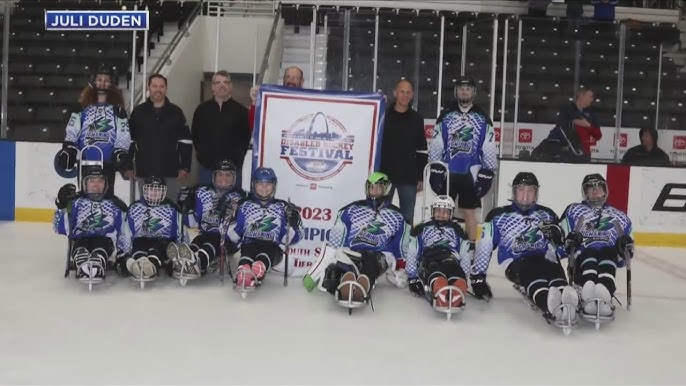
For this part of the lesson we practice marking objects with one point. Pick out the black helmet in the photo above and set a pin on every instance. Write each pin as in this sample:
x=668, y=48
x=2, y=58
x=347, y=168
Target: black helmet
x=525, y=178
x=224, y=166
x=102, y=69
x=592, y=181
x=465, y=80
x=154, y=190
x=90, y=173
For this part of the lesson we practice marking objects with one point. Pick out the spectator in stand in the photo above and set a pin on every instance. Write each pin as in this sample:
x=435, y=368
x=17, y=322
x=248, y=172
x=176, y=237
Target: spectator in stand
x=403, y=149
x=161, y=138
x=604, y=10
x=292, y=77
x=647, y=153
x=576, y=125
x=220, y=129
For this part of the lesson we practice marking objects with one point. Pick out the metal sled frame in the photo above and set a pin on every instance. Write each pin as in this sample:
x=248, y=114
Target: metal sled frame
x=141, y=280
x=349, y=303
x=179, y=253
x=426, y=206
x=565, y=325
x=242, y=288
x=596, y=318
x=90, y=280
x=84, y=163
x=450, y=310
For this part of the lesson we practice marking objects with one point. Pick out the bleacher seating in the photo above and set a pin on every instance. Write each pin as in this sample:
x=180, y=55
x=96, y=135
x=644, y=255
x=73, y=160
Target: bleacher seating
x=42, y=91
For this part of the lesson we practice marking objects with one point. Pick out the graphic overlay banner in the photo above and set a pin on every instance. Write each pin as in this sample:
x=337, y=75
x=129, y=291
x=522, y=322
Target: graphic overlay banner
x=322, y=146
x=96, y=20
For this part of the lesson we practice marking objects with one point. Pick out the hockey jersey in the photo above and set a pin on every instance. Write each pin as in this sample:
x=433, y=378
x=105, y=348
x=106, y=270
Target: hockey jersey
x=432, y=235
x=205, y=215
x=88, y=218
x=160, y=222
x=255, y=221
x=464, y=141
x=362, y=228
x=600, y=227
x=102, y=125
x=515, y=234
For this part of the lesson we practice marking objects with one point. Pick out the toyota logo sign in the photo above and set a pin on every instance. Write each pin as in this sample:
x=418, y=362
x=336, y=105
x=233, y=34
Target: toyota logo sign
x=679, y=142
x=525, y=135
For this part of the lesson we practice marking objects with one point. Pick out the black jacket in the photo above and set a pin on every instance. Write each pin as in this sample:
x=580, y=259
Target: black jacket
x=640, y=156
x=220, y=133
x=161, y=140
x=403, y=138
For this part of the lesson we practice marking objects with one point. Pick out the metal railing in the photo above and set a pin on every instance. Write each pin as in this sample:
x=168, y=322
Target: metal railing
x=242, y=7
x=268, y=50
x=165, y=58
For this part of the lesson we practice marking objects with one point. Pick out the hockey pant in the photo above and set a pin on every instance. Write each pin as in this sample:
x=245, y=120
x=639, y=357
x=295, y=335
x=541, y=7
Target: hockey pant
x=267, y=252
x=206, y=248
x=536, y=274
x=371, y=263
x=597, y=265
x=101, y=247
x=153, y=248
x=441, y=264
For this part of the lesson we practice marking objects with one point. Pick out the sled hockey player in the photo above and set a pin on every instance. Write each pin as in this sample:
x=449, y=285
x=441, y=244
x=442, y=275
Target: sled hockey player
x=210, y=209
x=464, y=139
x=438, y=257
x=99, y=120
x=152, y=223
x=263, y=227
x=529, y=242
x=94, y=225
x=370, y=238
x=601, y=237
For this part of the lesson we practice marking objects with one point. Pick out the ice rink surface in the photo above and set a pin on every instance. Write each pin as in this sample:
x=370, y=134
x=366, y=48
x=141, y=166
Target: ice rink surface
x=53, y=331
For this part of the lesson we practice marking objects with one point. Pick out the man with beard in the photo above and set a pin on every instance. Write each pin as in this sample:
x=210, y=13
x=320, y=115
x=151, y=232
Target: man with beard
x=292, y=77
x=162, y=144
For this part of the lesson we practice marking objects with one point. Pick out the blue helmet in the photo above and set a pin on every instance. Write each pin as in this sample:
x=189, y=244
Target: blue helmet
x=263, y=174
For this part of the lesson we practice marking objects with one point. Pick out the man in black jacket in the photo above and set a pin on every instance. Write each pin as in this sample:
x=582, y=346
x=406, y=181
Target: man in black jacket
x=403, y=148
x=220, y=129
x=647, y=153
x=161, y=140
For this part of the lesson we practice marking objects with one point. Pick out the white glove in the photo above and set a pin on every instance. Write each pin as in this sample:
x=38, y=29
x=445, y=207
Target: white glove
x=397, y=277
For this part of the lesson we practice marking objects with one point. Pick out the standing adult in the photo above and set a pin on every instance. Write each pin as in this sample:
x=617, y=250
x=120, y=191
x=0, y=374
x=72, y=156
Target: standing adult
x=220, y=129
x=403, y=149
x=99, y=120
x=161, y=138
x=292, y=77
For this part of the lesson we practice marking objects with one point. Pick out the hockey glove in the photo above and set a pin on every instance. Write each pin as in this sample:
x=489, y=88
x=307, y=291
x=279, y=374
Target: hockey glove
x=120, y=267
x=416, y=287
x=483, y=182
x=625, y=247
x=573, y=241
x=480, y=287
x=293, y=216
x=553, y=232
x=65, y=196
x=226, y=207
x=186, y=200
x=120, y=159
x=67, y=156
x=438, y=176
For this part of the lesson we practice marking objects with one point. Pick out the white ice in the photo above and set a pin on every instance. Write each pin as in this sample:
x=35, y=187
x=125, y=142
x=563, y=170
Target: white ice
x=53, y=331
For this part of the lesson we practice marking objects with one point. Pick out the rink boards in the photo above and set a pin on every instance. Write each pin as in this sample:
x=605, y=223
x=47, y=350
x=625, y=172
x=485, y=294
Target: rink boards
x=654, y=198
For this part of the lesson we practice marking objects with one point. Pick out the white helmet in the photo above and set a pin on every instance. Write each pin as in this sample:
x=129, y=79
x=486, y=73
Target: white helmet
x=443, y=202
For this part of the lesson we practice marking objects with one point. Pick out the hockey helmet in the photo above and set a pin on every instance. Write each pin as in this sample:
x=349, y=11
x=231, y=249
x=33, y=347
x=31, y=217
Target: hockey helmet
x=465, y=90
x=442, y=202
x=94, y=184
x=525, y=190
x=62, y=172
x=154, y=190
x=261, y=178
x=102, y=69
x=591, y=189
x=224, y=176
x=376, y=188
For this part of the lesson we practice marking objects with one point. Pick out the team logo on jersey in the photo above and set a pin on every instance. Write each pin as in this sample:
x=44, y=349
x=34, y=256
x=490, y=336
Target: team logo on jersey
x=595, y=232
x=529, y=240
x=152, y=224
x=95, y=221
x=262, y=229
x=373, y=234
x=317, y=146
x=461, y=134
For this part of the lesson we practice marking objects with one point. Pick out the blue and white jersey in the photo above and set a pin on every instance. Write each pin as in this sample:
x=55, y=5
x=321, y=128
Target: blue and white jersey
x=431, y=234
x=362, y=228
x=205, y=216
x=254, y=222
x=159, y=222
x=515, y=234
x=600, y=227
x=102, y=125
x=87, y=218
x=464, y=141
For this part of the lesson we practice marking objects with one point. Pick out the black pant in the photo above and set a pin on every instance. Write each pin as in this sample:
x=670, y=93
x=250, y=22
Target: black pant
x=206, y=246
x=439, y=264
x=597, y=265
x=265, y=251
x=100, y=246
x=536, y=274
x=150, y=246
x=371, y=263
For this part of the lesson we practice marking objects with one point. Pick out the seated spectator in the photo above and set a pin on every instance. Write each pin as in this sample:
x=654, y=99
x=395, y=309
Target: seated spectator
x=604, y=10
x=570, y=139
x=647, y=153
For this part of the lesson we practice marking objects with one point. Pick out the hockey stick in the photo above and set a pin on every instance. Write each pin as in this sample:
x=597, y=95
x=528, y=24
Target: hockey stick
x=285, y=259
x=223, y=230
x=629, y=253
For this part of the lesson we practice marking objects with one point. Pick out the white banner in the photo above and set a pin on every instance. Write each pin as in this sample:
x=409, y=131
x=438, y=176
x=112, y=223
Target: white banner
x=657, y=199
x=322, y=146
